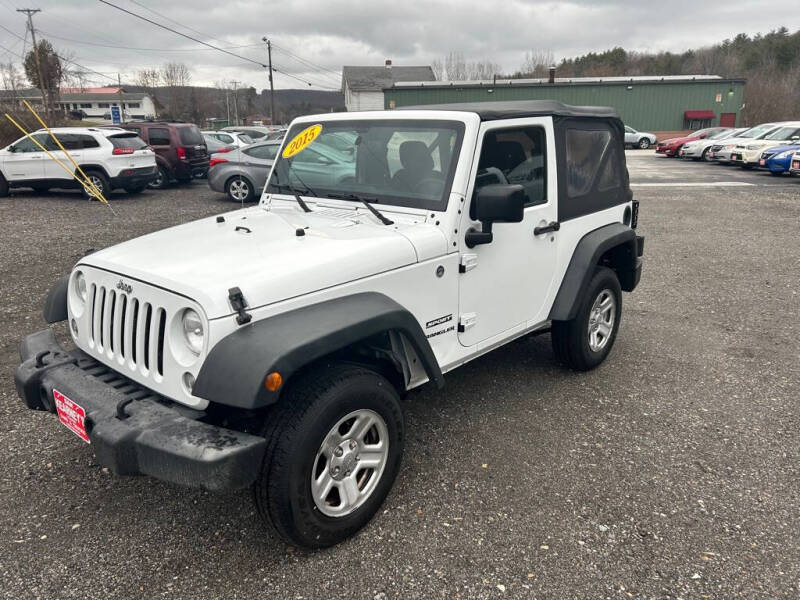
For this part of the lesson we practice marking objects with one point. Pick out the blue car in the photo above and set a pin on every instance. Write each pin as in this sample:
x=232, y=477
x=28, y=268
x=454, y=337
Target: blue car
x=777, y=160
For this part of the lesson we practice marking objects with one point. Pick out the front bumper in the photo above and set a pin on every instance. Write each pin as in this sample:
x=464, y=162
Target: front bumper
x=667, y=150
x=132, y=430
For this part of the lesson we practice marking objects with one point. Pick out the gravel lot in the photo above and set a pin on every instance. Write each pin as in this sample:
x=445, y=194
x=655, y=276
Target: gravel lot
x=669, y=472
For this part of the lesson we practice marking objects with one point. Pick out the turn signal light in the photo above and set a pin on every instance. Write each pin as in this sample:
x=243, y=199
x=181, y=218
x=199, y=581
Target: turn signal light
x=273, y=382
x=216, y=161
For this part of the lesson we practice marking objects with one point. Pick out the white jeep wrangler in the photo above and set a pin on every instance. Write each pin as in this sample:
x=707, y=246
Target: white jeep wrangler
x=270, y=346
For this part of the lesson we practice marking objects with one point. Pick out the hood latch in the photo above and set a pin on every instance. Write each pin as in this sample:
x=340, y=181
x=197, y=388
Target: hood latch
x=238, y=303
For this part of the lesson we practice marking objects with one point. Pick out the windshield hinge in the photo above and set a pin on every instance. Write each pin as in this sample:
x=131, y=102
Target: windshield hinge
x=468, y=262
x=466, y=321
x=238, y=303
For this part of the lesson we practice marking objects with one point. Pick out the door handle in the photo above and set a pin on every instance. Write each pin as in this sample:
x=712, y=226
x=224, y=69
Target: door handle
x=552, y=226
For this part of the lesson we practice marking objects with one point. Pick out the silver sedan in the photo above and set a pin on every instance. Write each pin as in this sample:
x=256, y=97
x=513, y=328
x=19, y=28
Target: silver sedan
x=242, y=173
x=638, y=139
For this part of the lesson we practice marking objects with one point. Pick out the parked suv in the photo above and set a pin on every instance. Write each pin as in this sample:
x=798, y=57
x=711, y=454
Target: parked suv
x=180, y=150
x=112, y=158
x=270, y=347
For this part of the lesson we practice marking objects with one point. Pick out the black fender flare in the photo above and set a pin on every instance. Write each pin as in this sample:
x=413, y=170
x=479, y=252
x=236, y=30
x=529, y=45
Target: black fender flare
x=55, y=304
x=234, y=371
x=585, y=258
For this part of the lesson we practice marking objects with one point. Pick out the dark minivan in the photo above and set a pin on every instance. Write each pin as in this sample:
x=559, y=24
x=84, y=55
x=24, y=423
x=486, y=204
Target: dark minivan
x=180, y=150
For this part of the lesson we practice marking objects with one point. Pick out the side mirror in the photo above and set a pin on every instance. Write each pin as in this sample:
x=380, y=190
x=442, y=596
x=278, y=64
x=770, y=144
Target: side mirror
x=12, y=148
x=500, y=203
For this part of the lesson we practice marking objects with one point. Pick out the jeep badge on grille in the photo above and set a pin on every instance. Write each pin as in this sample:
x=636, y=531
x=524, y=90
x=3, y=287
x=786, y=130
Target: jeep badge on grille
x=124, y=287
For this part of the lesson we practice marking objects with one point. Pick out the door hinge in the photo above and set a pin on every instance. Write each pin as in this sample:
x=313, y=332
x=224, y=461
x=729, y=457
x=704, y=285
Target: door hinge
x=468, y=262
x=466, y=321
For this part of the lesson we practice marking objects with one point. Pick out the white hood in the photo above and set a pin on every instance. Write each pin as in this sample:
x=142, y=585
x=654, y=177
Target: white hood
x=267, y=260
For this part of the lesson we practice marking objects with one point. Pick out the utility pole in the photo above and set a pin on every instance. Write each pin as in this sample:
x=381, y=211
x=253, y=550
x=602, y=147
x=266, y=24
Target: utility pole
x=271, y=84
x=235, y=103
x=121, y=103
x=30, y=12
x=228, y=106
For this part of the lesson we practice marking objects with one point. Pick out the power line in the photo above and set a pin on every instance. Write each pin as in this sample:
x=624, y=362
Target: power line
x=239, y=56
x=139, y=49
x=306, y=61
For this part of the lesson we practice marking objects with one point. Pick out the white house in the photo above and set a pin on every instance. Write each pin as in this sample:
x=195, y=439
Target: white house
x=96, y=103
x=363, y=86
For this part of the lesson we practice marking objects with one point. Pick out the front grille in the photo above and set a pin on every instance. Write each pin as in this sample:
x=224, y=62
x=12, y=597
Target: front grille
x=127, y=329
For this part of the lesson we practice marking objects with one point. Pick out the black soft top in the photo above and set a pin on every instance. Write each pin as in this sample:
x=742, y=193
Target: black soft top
x=493, y=111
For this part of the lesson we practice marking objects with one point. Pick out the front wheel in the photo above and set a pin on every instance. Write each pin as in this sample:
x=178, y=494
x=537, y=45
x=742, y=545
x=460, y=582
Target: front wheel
x=334, y=446
x=585, y=341
x=644, y=144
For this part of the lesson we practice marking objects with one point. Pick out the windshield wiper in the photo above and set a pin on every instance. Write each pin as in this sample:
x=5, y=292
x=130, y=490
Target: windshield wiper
x=366, y=202
x=295, y=193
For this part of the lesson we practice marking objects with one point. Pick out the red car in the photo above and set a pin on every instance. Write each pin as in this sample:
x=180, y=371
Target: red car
x=672, y=146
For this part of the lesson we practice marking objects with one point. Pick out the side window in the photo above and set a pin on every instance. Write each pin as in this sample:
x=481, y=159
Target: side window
x=629, y=130
x=515, y=156
x=309, y=156
x=88, y=141
x=159, y=136
x=224, y=138
x=70, y=141
x=585, y=151
x=265, y=152
x=26, y=145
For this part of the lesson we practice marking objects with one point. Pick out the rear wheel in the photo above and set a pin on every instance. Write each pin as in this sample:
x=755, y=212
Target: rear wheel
x=585, y=341
x=239, y=189
x=161, y=179
x=644, y=144
x=3, y=187
x=334, y=446
x=99, y=182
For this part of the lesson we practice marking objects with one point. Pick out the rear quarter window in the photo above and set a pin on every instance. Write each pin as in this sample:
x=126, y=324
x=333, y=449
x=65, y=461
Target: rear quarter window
x=127, y=140
x=190, y=136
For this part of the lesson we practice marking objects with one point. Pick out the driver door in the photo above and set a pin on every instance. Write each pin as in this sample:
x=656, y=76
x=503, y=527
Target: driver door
x=26, y=163
x=505, y=285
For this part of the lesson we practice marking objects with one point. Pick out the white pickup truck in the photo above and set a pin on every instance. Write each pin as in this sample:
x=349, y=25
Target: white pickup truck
x=271, y=346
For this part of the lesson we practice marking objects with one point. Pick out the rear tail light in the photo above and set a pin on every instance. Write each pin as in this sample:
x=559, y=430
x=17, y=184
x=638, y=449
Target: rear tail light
x=181, y=153
x=225, y=149
x=216, y=161
x=122, y=151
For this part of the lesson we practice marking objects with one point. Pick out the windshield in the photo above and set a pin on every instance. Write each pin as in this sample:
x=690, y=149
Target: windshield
x=719, y=134
x=784, y=133
x=759, y=131
x=403, y=162
x=127, y=140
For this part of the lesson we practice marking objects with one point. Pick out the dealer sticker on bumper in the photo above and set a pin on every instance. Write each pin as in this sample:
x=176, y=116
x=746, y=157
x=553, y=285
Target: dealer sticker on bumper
x=71, y=415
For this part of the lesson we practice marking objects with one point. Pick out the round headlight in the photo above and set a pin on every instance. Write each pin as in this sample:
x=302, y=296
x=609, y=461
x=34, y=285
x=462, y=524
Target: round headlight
x=80, y=286
x=192, y=330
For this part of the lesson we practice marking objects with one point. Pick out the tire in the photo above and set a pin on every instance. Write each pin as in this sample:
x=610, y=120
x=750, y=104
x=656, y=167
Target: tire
x=239, y=189
x=643, y=144
x=3, y=187
x=161, y=181
x=310, y=411
x=100, y=181
x=704, y=155
x=137, y=189
x=572, y=341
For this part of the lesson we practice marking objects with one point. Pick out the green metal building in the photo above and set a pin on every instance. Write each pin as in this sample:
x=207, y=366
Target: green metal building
x=668, y=103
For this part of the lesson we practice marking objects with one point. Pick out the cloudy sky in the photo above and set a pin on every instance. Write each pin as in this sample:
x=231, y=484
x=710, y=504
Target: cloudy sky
x=314, y=38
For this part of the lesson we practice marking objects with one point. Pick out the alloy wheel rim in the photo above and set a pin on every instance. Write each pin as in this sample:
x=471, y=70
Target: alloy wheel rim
x=601, y=320
x=158, y=180
x=644, y=143
x=349, y=463
x=239, y=190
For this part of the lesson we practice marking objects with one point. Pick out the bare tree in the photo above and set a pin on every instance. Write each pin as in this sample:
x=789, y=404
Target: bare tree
x=482, y=69
x=148, y=78
x=455, y=67
x=176, y=76
x=438, y=69
x=12, y=81
x=537, y=63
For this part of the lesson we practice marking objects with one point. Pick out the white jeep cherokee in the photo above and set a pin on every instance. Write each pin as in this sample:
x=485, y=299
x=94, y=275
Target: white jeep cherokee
x=112, y=158
x=270, y=346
